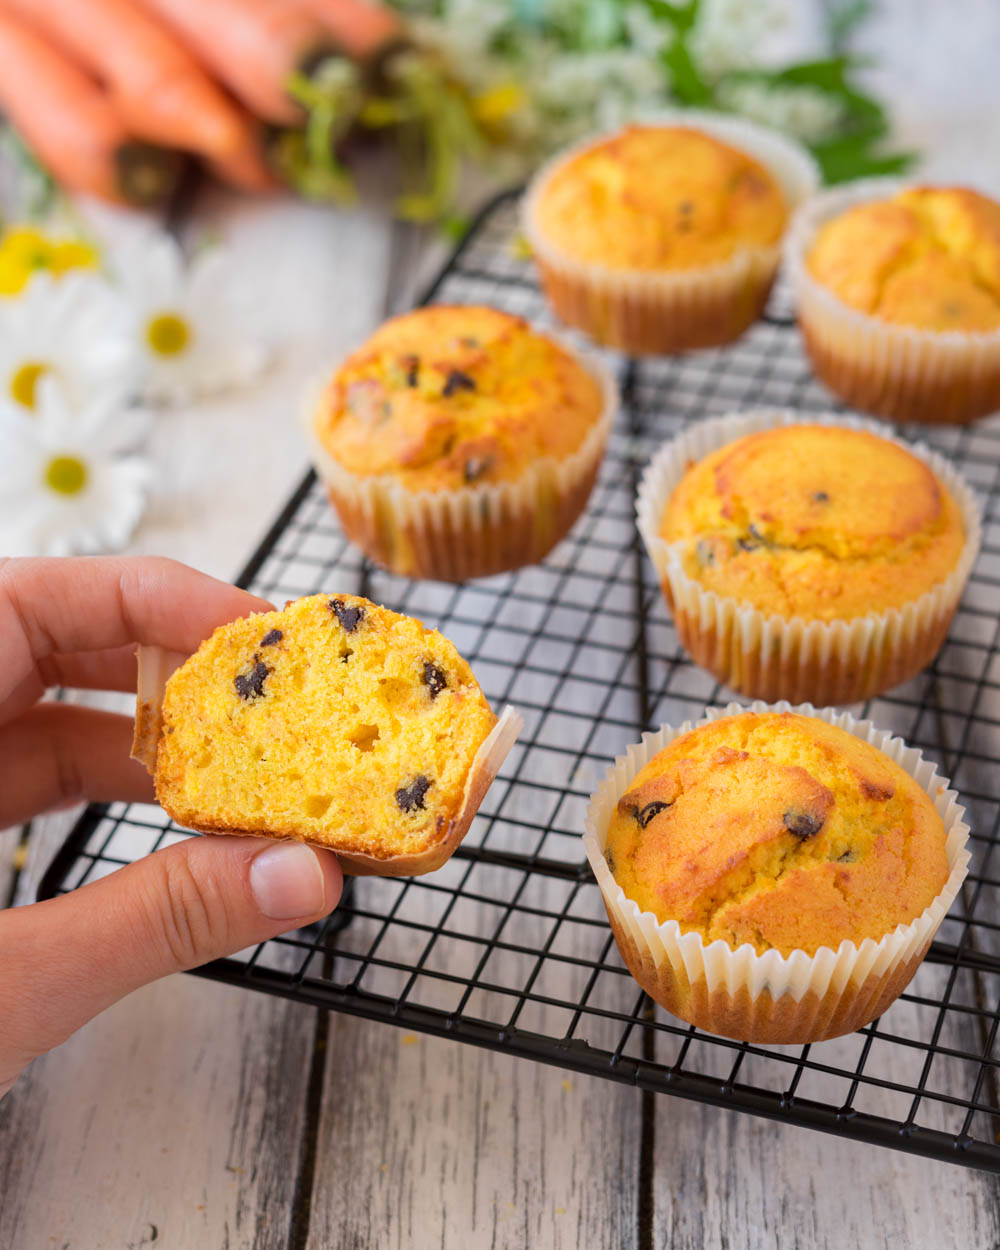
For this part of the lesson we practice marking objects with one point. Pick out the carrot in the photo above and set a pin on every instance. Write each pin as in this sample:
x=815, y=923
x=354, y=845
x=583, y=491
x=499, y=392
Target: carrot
x=363, y=30
x=253, y=46
x=160, y=91
x=69, y=123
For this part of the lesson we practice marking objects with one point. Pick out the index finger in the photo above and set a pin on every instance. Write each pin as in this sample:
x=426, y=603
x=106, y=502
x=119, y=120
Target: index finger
x=91, y=603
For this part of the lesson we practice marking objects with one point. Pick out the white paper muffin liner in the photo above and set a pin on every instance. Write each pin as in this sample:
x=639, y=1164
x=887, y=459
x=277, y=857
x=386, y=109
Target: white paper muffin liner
x=660, y=312
x=896, y=371
x=472, y=531
x=775, y=657
x=772, y=997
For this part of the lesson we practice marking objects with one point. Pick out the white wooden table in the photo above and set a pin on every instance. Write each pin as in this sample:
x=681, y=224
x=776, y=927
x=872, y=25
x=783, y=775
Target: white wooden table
x=197, y=1115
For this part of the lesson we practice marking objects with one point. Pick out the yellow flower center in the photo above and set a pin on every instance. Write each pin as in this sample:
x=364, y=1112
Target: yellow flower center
x=24, y=251
x=67, y=475
x=168, y=334
x=24, y=383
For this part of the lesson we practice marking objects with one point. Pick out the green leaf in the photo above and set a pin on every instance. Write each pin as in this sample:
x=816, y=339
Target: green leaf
x=686, y=81
x=855, y=156
x=681, y=16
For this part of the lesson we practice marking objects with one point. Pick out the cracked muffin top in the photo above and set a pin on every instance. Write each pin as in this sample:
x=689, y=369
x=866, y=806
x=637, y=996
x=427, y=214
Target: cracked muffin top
x=446, y=397
x=779, y=830
x=815, y=521
x=928, y=257
x=660, y=197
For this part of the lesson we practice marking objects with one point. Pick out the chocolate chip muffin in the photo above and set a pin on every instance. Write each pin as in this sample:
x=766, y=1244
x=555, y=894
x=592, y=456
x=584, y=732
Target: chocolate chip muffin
x=807, y=560
x=459, y=441
x=665, y=235
x=898, y=294
x=780, y=831
x=777, y=874
x=335, y=722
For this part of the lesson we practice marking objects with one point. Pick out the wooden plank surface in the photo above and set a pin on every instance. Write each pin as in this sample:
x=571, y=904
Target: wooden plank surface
x=187, y=1114
x=179, y=1114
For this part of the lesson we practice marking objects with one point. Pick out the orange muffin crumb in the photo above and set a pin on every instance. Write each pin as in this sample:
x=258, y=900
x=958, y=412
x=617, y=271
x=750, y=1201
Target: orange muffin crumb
x=929, y=257
x=819, y=522
x=336, y=722
x=660, y=197
x=779, y=830
x=447, y=396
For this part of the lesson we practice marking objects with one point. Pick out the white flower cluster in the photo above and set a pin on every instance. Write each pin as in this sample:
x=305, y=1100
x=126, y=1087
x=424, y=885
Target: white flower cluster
x=728, y=34
x=92, y=335
x=804, y=112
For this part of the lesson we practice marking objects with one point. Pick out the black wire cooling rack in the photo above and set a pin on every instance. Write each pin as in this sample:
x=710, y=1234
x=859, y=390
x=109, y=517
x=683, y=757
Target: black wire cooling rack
x=508, y=946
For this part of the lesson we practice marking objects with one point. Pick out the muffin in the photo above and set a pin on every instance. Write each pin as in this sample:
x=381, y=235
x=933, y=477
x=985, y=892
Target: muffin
x=898, y=295
x=775, y=875
x=460, y=442
x=665, y=235
x=817, y=560
x=334, y=722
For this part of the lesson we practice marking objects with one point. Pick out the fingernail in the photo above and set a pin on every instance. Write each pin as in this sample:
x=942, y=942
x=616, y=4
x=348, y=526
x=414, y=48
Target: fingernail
x=287, y=881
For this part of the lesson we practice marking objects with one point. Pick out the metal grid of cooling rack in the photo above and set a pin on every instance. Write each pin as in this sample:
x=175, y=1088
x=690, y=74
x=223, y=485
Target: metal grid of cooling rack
x=507, y=946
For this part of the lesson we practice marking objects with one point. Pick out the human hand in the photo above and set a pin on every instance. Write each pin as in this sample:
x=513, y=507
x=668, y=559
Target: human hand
x=75, y=622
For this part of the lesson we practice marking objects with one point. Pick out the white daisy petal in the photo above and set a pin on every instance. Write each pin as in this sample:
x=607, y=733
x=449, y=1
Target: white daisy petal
x=74, y=329
x=63, y=488
x=185, y=319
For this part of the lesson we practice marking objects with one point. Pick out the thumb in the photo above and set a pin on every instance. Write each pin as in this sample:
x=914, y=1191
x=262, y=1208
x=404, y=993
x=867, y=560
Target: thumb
x=66, y=959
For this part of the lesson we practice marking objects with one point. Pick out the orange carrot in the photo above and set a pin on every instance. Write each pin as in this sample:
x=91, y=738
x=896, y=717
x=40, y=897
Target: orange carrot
x=364, y=30
x=70, y=125
x=253, y=46
x=159, y=90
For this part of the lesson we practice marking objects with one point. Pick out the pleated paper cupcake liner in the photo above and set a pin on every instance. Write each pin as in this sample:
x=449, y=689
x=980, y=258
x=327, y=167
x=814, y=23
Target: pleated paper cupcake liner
x=662, y=312
x=772, y=998
x=774, y=657
x=473, y=531
x=895, y=371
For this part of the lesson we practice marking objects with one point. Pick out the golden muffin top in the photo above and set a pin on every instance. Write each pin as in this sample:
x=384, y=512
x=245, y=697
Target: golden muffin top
x=448, y=396
x=927, y=257
x=660, y=197
x=816, y=521
x=778, y=830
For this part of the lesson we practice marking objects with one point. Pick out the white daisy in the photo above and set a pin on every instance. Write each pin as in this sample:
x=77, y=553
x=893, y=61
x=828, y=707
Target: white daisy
x=68, y=484
x=73, y=329
x=185, y=318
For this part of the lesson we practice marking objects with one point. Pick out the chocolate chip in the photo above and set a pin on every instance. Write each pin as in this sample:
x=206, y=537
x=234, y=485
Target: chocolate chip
x=348, y=616
x=434, y=679
x=704, y=552
x=457, y=381
x=755, y=540
x=848, y=857
x=820, y=496
x=411, y=797
x=645, y=814
x=609, y=859
x=412, y=370
x=476, y=467
x=802, y=824
x=271, y=638
x=251, y=685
